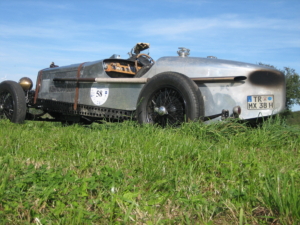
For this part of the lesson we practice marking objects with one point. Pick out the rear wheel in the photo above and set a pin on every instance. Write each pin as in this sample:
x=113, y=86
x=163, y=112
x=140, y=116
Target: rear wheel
x=12, y=101
x=170, y=99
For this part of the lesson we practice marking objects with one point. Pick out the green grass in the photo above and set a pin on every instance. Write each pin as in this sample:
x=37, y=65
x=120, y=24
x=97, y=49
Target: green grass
x=224, y=173
x=294, y=118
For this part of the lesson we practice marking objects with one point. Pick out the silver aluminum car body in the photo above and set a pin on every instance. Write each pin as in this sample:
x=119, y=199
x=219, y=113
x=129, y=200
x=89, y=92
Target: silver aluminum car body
x=217, y=95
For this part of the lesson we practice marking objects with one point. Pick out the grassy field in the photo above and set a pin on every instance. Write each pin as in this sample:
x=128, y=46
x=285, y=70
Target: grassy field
x=294, y=118
x=224, y=173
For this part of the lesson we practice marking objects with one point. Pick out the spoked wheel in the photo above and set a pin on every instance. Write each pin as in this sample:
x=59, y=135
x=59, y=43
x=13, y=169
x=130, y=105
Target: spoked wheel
x=170, y=99
x=6, y=105
x=166, y=106
x=12, y=101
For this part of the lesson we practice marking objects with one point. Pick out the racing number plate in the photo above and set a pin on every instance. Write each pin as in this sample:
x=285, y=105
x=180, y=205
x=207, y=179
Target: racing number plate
x=260, y=102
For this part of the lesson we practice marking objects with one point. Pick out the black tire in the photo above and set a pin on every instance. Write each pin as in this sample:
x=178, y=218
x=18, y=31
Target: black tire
x=12, y=101
x=170, y=99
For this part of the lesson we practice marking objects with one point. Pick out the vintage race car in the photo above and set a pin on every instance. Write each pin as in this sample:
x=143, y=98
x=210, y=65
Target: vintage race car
x=171, y=90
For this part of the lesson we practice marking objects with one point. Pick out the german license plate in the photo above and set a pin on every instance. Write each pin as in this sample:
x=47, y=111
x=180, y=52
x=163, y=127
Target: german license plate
x=260, y=102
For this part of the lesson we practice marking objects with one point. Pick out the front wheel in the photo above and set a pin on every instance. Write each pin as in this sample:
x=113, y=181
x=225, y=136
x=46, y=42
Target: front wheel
x=12, y=101
x=169, y=99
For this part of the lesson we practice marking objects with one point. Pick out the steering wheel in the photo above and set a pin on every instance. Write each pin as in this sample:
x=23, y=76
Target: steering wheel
x=150, y=60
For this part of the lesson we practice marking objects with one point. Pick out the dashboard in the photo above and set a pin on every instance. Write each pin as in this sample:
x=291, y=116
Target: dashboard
x=119, y=68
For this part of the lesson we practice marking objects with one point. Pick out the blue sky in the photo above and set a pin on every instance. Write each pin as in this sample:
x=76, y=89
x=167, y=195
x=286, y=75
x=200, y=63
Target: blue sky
x=35, y=33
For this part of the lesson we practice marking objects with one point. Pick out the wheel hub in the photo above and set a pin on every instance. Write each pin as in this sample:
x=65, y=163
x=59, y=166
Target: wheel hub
x=161, y=110
x=172, y=109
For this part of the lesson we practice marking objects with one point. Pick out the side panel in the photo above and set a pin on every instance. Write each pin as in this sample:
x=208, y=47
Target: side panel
x=115, y=96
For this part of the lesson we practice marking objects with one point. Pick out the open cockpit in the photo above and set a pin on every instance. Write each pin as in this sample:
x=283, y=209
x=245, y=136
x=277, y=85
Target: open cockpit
x=135, y=66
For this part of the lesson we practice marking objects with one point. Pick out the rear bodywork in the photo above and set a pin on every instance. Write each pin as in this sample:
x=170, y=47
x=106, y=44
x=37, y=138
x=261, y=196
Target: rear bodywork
x=220, y=94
